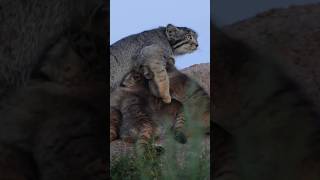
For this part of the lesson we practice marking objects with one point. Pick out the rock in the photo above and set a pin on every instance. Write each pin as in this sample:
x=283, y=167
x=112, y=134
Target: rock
x=201, y=73
x=293, y=36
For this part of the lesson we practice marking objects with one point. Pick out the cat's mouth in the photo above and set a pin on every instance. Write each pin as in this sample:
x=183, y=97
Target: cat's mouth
x=194, y=47
x=186, y=49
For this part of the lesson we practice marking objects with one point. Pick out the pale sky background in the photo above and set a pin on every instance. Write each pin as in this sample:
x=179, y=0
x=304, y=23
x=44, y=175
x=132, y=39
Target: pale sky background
x=133, y=16
x=230, y=11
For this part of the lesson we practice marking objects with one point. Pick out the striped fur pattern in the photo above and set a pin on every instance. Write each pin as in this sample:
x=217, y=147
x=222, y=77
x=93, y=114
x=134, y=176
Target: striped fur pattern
x=274, y=125
x=192, y=96
x=136, y=114
x=173, y=41
x=142, y=112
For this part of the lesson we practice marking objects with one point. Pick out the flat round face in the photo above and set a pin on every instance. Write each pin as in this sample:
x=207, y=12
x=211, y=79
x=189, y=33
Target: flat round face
x=188, y=44
x=182, y=39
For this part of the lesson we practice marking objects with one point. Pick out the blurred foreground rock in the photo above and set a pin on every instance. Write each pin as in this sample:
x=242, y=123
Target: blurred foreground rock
x=293, y=36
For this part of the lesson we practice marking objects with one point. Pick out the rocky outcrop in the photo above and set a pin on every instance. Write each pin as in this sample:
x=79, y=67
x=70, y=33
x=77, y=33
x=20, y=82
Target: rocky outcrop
x=201, y=73
x=290, y=34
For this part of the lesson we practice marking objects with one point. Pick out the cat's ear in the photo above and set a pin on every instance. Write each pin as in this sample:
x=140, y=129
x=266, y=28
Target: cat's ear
x=171, y=31
x=84, y=45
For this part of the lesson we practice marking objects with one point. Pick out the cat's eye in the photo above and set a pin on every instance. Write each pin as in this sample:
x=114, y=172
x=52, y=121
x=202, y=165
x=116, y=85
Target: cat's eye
x=136, y=77
x=188, y=37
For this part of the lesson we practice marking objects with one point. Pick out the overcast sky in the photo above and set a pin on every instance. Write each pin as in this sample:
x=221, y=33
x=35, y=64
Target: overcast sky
x=130, y=17
x=230, y=11
x=134, y=16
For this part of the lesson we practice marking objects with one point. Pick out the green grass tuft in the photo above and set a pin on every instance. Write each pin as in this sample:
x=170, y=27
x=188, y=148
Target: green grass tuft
x=190, y=161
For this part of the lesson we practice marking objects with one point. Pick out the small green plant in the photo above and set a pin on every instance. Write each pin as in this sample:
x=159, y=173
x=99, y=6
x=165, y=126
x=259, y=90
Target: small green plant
x=189, y=161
